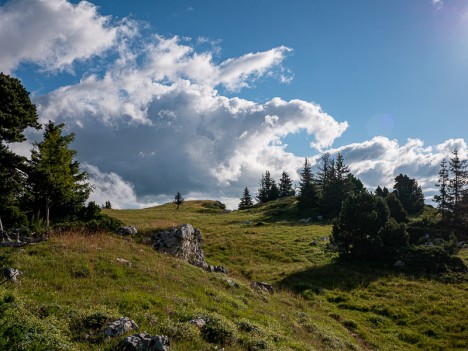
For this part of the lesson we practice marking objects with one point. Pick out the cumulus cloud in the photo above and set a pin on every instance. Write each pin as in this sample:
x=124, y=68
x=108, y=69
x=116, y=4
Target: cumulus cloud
x=152, y=122
x=380, y=160
x=52, y=33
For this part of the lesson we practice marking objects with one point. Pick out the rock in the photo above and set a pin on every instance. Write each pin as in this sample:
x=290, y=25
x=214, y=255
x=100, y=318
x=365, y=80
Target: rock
x=11, y=273
x=120, y=327
x=198, y=322
x=399, y=264
x=144, y=342
x=263, y=287
x=124, y=261
x=185, y=243
x=305, y=220
x=232, y=283
x=127, y=231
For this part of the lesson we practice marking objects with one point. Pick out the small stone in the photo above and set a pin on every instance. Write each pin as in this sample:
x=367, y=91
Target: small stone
x=11, y=273
x=399, y=264
x=127, y=231
x=263, y=287
x=144, y=342
x=198, y=322
x=120, y=327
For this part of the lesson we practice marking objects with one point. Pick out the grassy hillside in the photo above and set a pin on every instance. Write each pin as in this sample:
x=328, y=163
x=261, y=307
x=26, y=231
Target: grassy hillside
x=73, y=284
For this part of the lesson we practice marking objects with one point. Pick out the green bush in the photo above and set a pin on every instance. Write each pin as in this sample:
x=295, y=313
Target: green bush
x=218, y=330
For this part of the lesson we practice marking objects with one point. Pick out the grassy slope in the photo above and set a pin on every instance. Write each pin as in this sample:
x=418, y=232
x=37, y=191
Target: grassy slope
x=358, y=307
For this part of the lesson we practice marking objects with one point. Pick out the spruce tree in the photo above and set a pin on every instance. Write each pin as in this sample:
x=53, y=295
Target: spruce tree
x=268, y=190
x=409, y=193
x=246, y=200
x=178, y=199
x=443, y=198
x=285, y=186
x=56, y=179
x=308, y=194
x=457, y=185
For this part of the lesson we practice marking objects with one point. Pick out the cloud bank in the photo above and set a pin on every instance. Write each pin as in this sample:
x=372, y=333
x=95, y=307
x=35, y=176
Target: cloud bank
x=151, y=120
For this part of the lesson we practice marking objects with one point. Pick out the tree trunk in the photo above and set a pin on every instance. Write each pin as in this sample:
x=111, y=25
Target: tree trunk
x=47, y=212
x=1, y=224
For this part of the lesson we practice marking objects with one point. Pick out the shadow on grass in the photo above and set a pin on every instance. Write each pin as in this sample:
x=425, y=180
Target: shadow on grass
x=339, y=274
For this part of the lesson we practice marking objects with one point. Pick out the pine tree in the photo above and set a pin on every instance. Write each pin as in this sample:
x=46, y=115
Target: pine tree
x=443, y=198
x=268, y=190
x=56, y=179
x=246, y=200
x=457, y=185
x=285, y=186
x=308, y=194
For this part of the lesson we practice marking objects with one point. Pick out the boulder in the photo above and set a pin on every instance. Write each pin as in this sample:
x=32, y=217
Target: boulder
x=11, y=273
x=399, y=264
x=120, y=327
x=185, y=243
x=127, y=231
x=262, y=287
x=198, y=322
x=144, y=342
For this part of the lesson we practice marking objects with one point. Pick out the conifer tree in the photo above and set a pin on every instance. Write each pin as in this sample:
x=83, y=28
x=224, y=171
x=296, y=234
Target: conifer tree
x=443, y=198
x=308, y=194
x=178, y=199
x=246, y=200
x=457, y=184
x=409, y=193
x=268, y=190
x=285, y=185
x=56, y=179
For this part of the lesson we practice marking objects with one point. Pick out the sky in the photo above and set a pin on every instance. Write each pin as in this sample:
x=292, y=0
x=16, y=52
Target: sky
x=202, y=97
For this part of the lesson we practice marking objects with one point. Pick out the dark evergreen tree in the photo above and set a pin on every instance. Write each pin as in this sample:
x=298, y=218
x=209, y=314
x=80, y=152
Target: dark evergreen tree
x=443, y=198
x=267, y=190
x=308, y=192
x=382, y=192
x=178, y=199
x=457, y=185
x=107, y=205
x=56, y=179
x=246, y=200
x=396, y=208
x=326, y=171
x=409, y=193
x=17, y=112
x=285, y=186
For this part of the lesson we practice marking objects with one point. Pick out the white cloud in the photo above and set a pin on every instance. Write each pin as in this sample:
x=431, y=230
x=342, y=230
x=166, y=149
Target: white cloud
x=52, y=33
x=438, y=4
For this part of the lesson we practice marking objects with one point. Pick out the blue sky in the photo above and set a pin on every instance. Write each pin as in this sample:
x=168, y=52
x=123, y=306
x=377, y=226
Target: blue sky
x=391, y=78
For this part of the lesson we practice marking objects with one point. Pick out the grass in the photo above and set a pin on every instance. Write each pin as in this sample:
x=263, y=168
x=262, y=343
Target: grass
x=73, y=284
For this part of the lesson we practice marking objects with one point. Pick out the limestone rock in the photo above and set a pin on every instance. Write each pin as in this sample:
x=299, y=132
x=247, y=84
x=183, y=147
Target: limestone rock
x=144, y=342
x=120, y=327
x=127, y=231
x=263, y=287
x=198, y=322
x=185, y=243
x=11, y=273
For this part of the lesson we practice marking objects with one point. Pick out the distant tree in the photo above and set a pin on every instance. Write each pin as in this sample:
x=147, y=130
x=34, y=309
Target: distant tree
x=17, y=112
x=267, y=190
x=457, y=185
x=326, y=171
x=286, y=186
x=382, y=192
x=107, y=205
x=409, y=193
x=443, y=198
x=246, y=200
x=397, y=210
x=56, y=179
x=308, y=192
x=178, y=199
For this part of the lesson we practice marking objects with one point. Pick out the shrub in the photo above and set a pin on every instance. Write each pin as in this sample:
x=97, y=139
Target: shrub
x=218, y=330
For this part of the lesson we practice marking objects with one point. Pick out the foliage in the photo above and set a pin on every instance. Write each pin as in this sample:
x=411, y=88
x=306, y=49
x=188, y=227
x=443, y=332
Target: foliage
x=56, y=179
x=16, y=114
x=457, y=186
x=365, y=231
x=442, y=199
x=409, y=193
x=382, y=192
x=396, y=208
x=218, y=330
x=246, y=200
